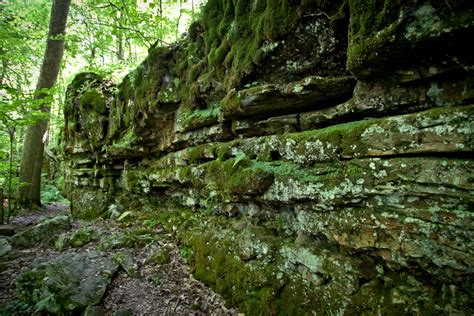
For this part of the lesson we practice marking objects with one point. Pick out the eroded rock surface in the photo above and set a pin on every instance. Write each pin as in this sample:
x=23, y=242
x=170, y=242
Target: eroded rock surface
x=42, y=232
x=67, y=284
x=296, y=185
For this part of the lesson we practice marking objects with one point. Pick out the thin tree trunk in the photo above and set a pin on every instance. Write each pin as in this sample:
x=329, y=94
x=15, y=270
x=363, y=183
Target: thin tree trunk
x=120, y=50
x=32, y=158
x=129, y=47
x=179, y=19
x=3, y=74
x=11, y=134
x=2, y=209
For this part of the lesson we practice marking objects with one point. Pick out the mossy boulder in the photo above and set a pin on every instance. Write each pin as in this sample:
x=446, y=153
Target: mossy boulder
x=62, y=242
x=5, y=247
x=67, y=284
x=162, y=256
x=93, y=98
x=89, y=204
x=83, y=236
x=126, y=262
x=86, y=109
x=130, y=239
x=44, y=232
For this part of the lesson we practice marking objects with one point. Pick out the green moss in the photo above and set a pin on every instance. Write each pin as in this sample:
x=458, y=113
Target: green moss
x=83, y=236
x=251, y=287
x=234, y=177
x=160, y=257
x=201, y=153
x=235, y=30
x=383, y=34
x=126, y=140
x=368, y=18
x=197, y=118
x=95, y=99
x=134, y=238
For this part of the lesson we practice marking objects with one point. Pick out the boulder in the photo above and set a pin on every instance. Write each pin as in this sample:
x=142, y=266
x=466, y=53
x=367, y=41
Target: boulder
x=68, y=284
x=44, y=232
x=126, y=262
x=83, y=236
x=5, y=247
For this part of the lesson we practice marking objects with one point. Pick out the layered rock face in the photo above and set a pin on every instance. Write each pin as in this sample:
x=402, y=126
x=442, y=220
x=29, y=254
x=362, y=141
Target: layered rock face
x=310, y=157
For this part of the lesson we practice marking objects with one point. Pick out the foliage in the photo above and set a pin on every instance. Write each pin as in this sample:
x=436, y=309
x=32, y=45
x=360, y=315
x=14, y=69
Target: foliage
x=17, y=110
x=109, y=37
x=23, y=27
x=112, y=37
x=50, y=194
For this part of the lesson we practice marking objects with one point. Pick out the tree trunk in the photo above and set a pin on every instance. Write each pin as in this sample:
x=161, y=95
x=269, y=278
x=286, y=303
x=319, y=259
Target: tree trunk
x=179, y=19
x=120, y=50
x=119, y=38
x=11, y=135
x=3, y=74
x=32, y=158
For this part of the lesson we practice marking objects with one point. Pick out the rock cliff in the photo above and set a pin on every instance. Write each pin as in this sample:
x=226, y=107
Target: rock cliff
x=310, y=156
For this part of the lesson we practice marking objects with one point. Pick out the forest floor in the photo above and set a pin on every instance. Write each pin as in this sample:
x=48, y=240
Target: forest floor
x=165, y=287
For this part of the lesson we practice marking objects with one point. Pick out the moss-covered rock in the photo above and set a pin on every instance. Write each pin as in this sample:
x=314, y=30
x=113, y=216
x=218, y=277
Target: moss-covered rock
x=160, y=257
x=5, y=247
x=67, y=284
x=130, y=239
x=86, y=110
x=384, y=34
x=88, y=204
x=95, y=99
x=126, y=262
x=293, y=187
x=44, y=232
x=306, y=94
x=83, y=236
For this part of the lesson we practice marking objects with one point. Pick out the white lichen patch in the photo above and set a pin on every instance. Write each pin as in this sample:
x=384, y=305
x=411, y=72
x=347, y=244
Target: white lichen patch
x=404, y=127
x=268, y=47
x=434, y=93
x=373, y=129
x=425, y=23
x=380, y=174
x=307, y=151
x=297, y=88
x=302, y=256
x=291, y=189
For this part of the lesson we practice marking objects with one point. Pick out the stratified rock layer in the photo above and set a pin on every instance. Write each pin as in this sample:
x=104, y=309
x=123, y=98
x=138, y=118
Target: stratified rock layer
x=297, y=186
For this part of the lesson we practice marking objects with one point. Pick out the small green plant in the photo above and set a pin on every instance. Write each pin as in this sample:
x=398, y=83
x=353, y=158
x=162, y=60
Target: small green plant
x=186, y=252
x=50, y=194
x=151, y=223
